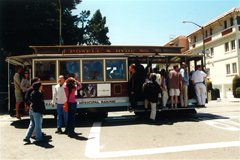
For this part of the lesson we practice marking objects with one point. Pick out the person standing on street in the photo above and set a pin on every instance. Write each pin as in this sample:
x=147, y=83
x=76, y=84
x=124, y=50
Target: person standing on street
x=185, y=83
x=59, y=98
x=37, y=108
x=25, y=84
x=198, y=78
x=72, y=85
x=132, y=87
x=164, y=87
x=17, y=90
x=175, y=83
x=151, y=91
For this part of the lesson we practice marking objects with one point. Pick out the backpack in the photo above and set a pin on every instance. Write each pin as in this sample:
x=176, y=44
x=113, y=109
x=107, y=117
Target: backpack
x=148, y=89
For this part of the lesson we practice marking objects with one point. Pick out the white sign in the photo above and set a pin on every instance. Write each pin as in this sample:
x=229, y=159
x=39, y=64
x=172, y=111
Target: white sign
x=103, y=90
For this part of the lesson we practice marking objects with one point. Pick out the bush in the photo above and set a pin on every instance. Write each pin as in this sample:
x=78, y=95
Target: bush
x=235, y=84
x=238, y=92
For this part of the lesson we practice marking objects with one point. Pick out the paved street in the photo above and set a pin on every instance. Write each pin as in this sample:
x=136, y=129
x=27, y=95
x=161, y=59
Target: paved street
x=213, y=134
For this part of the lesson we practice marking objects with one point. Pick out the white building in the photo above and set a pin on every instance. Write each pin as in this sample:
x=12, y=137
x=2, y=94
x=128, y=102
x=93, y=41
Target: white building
x=222, y=49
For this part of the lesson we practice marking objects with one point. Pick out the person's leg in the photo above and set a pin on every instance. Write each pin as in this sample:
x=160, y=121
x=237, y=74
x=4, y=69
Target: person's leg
x=146, y=102
x=38, y=126
x=19, y=100
x=17, y=110
x=65, y=118
x=175, y=100
x=153, y=111
x=30, y=127
x=203, y=94
x=171, y=93
x=165, y=98
x=185, y=95
x=70, y=119
x=59, y=117
x=182, y=97
x=74, y=115
x=198, y=93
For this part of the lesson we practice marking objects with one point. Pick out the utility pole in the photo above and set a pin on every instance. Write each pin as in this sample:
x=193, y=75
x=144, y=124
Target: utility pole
x=203, y=43
x=60, y=22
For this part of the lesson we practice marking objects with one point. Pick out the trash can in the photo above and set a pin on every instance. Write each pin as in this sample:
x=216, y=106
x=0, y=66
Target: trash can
x=215, y=94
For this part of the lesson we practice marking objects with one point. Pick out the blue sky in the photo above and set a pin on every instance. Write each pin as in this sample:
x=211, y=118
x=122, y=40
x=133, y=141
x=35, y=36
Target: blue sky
x=153, y=22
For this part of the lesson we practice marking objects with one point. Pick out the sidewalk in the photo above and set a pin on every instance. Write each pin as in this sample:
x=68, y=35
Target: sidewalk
x=227, y=100
x=231, y=99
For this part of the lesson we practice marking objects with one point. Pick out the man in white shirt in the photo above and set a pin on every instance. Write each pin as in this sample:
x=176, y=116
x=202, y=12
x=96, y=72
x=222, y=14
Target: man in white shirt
x=200, y=88
x=59, y=98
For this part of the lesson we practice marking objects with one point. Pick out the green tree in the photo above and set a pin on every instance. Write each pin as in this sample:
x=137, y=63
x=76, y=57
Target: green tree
x=36, y=22
x=96, y=31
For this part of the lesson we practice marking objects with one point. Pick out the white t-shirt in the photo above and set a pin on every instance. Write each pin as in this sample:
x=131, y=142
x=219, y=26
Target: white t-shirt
x=59, y=95
x=198, y=76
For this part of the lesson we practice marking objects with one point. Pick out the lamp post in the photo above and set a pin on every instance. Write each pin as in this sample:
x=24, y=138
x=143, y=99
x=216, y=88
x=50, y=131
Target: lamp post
x=60, y=22
x=203, y=43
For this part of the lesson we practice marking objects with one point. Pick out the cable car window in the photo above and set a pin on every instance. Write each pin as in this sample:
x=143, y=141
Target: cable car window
x=92, y=70
x=45, y=70
x=116, y=70
x=70, y=68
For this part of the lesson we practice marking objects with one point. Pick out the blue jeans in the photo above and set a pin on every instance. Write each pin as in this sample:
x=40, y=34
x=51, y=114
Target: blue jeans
x=35, y=122
x=72, y=107
x=61, y=115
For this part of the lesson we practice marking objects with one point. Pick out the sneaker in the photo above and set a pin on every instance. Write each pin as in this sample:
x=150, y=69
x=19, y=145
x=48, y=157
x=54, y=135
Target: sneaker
x=18, y=117
x=26, y=140
x=47, y=137
x=65, y=132
x=59, y=131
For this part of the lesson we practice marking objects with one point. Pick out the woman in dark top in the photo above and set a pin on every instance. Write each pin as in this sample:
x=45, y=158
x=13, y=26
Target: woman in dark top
x=37, y=108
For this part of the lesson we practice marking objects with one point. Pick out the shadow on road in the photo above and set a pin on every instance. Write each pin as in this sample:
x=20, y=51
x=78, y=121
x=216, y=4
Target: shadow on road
x=44, y=144
x=162, y=119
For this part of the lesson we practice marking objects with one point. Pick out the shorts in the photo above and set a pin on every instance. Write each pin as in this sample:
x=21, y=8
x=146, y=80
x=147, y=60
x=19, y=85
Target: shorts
x=18, y=96
x=174, y=92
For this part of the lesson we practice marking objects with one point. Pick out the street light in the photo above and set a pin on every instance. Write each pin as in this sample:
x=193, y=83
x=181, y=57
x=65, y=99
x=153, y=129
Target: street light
x=60, y=22
x=202, y=29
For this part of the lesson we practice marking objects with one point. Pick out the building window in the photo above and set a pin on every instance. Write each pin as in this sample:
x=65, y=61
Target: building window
x=234, y=67
x=225, y=24
x=238, y=20
x=226, y=47
x=238, y=43
x=194, y=39
x=228, y=68
x=116, y=69
x=231, y=21
x=70, y=68
x=233, y=44
x=206, y=33
x=45, y=70
x=92, y=70
x=211, y=31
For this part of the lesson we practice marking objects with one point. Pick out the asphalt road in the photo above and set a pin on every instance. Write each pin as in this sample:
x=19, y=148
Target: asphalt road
x=211, y=134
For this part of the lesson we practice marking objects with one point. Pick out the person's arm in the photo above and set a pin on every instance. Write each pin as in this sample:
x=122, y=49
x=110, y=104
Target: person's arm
x=54, y=96
x=79, y=85
x=17, y=80
x=180, y=81
x=192, y=78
